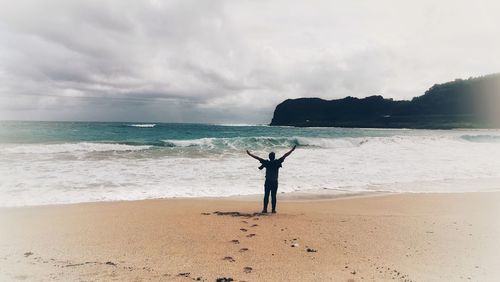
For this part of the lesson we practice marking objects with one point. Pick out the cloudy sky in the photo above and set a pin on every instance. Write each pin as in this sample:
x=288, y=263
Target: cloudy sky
x=230, y=61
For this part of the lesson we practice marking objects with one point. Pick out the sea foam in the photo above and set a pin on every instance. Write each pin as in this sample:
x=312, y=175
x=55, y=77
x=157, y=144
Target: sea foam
x=402, y=161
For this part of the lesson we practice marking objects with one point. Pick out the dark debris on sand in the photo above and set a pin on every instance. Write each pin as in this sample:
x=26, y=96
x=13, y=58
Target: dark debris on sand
x=224, y=279
x=82, y=263
x=247, y=269
x=309, y=250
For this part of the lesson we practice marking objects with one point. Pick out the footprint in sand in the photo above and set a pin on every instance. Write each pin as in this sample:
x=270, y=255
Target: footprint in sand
x=243, y=250
x=243, y=229
x=254, y=225
x=235, y=241
x=251, y=235
x=244, y=221
x=230, y=259
x=256, y=218
x=247, y=269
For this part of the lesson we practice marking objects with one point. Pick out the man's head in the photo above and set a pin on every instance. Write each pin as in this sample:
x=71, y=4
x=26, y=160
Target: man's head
x=272, y=156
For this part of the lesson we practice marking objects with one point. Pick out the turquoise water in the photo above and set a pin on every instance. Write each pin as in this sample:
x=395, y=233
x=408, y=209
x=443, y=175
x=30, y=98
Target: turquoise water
x=156, y=134
x=67, y=162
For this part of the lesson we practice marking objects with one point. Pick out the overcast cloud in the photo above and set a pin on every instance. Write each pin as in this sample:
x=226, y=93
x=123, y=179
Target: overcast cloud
x=230, y=61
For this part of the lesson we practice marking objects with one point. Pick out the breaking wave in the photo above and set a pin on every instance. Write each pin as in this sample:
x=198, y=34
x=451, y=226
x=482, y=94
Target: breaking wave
x=241, y=143
x=244, y=143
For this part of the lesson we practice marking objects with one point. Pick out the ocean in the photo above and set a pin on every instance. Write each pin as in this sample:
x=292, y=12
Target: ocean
x=69, y=162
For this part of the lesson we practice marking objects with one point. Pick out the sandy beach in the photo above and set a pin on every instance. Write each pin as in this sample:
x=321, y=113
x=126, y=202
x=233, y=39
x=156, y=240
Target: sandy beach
x=401, y=237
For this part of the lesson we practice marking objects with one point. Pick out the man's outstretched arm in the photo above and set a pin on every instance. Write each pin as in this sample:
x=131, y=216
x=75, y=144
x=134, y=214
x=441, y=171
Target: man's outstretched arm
x=287, y=153
x=254, y=156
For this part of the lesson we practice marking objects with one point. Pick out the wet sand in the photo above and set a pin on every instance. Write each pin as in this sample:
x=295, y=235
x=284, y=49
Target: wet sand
x=405, y=237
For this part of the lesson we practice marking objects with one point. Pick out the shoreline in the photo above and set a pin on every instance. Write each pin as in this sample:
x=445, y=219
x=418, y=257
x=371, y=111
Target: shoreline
x=282, y=197
x=285, y=197
x=364, y=238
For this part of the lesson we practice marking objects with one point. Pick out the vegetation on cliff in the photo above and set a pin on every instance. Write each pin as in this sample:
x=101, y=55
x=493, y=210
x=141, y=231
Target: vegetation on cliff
x=461, y=103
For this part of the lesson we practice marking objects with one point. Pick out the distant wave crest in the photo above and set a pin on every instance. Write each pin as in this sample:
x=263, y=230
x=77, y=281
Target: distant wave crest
x=240, y=124
x=143, y=125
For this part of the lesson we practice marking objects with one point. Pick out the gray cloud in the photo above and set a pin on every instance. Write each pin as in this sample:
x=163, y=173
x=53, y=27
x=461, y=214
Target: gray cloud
x=230, y=61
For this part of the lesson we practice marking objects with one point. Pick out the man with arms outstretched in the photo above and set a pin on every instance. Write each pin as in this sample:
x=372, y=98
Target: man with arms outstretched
x=272, y=168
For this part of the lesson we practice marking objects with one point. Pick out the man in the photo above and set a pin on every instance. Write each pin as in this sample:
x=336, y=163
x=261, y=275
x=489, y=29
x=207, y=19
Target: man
x=272, y=168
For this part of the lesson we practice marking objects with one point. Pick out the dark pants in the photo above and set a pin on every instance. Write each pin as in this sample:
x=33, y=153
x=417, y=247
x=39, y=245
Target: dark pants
x=270, y=187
